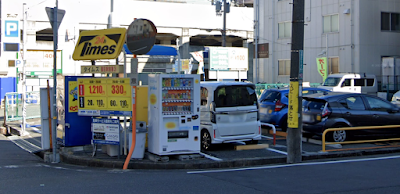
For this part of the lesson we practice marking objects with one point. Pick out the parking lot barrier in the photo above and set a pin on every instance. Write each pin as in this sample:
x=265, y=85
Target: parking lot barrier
x=356, y=128
x=273, y=130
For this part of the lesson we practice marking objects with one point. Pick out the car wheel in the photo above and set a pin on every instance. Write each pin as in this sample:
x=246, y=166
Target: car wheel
x=337, y=136
x=205, y=140
x=252, y=142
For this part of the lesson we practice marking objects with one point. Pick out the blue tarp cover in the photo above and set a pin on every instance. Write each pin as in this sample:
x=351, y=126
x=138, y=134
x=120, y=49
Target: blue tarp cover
x=157, y=50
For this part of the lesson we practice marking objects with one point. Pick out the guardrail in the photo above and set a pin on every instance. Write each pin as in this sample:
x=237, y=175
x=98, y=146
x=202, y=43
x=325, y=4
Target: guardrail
x=356, y=128
x=273, y=130
x=13, y=106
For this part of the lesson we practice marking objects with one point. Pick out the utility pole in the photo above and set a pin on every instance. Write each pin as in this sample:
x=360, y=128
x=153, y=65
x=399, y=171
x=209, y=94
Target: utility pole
x=294, y=135
x=224, y=25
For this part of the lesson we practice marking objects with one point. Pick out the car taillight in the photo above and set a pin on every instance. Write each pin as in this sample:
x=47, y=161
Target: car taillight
x=326, y=112
x=279, y=106
x=213, y=117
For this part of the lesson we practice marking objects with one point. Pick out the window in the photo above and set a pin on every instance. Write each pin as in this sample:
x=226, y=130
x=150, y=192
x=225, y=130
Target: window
x=11, y=63
x=284, y=67
x=353, y=103
x=314, y=105
x=231, y=96
x=204, y=95
x=284, y=30
x=390, y=21
x=378, y=105
x=370, y=82
x=333, y=65
x=270, y=96
x=332, y=81
x=359, y=82
x=346, y=82
x=331, y=23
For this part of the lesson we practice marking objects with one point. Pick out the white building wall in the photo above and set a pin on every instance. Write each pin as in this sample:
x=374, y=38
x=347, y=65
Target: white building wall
x=93, y=14
x=360, y=29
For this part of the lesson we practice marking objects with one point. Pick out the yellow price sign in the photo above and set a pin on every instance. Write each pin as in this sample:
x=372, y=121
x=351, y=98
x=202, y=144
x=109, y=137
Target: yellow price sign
x=104, y=96
x=293, y=118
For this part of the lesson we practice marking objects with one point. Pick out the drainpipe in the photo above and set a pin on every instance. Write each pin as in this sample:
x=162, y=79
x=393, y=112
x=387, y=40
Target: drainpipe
x=256, y=22
x=352, y=35
x=274, y=79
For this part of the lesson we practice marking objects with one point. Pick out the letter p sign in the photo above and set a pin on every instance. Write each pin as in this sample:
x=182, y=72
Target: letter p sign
x=11, y=29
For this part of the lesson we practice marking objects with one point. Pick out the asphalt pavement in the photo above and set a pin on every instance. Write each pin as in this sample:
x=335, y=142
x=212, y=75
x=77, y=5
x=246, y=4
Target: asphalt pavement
x=222, y=156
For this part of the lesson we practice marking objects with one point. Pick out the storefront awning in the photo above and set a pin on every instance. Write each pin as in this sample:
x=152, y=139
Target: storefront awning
x=157, y=50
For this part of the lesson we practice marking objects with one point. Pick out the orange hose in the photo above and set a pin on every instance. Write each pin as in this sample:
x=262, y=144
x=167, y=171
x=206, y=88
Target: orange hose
x=133, y=123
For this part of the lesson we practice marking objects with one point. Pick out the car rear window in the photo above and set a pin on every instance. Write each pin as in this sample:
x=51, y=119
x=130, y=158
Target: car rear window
x=314, y=104
x=270, y=96
x=231, y=96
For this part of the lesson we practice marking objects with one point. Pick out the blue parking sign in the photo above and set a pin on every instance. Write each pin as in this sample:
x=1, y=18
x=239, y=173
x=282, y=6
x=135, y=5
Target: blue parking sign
x=11, y=29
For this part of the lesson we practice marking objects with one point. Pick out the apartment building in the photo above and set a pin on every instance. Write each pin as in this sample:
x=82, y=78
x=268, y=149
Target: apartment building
x=353, y=34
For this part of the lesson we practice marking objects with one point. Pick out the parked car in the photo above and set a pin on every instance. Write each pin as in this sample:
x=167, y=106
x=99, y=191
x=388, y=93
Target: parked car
x=228, y=113
x=351, y=82
x=335, y=110
x=274, y=105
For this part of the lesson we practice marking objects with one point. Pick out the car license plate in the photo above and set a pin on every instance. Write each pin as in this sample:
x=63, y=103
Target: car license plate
x=307, y=118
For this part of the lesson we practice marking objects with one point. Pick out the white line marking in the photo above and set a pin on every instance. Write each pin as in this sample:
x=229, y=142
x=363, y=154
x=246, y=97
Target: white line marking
x=298, y=164
x=266, y=137
x=277, y=151
x=15, y=139
x=36, y=130
x=210, y=157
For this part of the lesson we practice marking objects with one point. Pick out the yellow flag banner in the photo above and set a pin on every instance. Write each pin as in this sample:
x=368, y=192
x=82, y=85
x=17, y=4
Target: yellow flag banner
x=322, y=67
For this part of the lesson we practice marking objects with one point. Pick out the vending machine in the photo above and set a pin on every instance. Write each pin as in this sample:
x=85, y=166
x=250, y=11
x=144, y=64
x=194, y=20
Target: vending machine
x=174, y=114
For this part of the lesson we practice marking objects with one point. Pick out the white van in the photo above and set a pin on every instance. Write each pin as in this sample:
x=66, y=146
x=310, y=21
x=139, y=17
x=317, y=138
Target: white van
x=351, y=82
x=229, y=113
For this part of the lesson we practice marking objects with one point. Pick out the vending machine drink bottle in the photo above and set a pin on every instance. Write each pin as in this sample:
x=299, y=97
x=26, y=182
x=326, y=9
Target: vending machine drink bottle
x=174, y=114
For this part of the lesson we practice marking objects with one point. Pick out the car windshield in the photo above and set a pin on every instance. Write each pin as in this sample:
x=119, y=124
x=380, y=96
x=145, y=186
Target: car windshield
x=332, y=81
x=270, y=96
x=231, y=96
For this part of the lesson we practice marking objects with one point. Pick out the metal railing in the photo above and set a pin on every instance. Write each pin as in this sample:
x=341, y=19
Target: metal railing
x=324, y=143
x=261, y=87
x=13, y=106
x=273, y=131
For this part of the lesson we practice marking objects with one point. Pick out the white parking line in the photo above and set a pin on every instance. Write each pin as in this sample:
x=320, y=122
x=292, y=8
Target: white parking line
x=298, y=164
x=277, y=151
x=36, y=130
x=266, y=137
x=210, y=157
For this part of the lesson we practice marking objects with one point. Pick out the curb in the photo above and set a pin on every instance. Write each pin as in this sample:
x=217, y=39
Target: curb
x=133, y=164
x=240, y=163
x=4, y=131
x=14, y=130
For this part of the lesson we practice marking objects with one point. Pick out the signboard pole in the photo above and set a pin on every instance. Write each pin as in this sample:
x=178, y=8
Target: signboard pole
x=23, y=75
x=125, y=134
x=54, y=124
x=133, y=123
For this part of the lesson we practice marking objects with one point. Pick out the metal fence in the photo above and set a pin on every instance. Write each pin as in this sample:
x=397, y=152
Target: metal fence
x=261, y=87
x=13, y=106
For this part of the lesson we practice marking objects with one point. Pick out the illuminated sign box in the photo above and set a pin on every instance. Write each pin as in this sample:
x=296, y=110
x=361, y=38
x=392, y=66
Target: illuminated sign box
x=104, y=97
